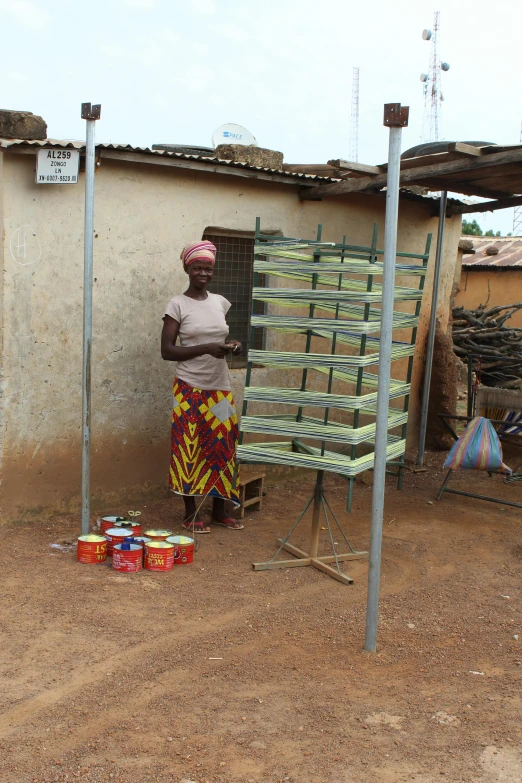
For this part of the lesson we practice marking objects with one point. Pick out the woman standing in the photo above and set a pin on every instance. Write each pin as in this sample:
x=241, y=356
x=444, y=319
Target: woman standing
x=204, y=420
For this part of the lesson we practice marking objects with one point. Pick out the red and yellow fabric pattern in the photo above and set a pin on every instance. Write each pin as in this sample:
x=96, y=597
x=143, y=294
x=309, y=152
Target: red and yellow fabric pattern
x=204, y=439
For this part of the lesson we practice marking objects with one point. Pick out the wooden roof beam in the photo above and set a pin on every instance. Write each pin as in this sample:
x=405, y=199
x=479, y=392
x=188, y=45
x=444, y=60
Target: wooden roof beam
x=486, y=206
x=352, y=169
x=467, y=188
x=456, y=150
x=195, y=165
x=418, y=176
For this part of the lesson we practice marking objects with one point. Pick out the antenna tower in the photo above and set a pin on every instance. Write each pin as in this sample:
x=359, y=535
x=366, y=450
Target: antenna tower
x=432, y=84
x=517, y=215
x=354, y=126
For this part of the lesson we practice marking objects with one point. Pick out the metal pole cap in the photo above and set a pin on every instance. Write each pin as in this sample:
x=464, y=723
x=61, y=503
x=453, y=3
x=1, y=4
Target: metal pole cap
x=395, y=115
x=91, y=112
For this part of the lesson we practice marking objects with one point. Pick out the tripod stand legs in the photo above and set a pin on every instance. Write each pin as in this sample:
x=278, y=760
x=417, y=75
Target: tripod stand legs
x=312, y=558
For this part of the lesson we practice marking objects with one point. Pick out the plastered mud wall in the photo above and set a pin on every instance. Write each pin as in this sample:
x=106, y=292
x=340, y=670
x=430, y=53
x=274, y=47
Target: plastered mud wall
x=144, y=214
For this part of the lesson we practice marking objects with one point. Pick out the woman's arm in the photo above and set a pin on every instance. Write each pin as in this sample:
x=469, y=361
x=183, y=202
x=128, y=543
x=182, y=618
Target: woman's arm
x=175, y=353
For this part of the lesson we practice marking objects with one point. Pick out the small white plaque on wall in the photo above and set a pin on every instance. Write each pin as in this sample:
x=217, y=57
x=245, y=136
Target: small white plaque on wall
x=57, y=167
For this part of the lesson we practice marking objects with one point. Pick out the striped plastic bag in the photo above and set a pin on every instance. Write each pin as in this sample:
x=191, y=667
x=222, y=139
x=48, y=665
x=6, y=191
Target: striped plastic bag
x=478, y=448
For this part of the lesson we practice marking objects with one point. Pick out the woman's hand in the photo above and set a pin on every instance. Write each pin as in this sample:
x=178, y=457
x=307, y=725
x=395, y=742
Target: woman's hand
x=218, y=350
x=235, y=346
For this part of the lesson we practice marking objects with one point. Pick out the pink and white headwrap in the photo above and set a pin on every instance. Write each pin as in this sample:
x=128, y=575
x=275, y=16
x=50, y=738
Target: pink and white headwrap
x=199, y=251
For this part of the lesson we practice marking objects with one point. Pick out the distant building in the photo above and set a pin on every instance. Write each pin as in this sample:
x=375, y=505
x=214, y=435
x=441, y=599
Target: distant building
x=492, y=273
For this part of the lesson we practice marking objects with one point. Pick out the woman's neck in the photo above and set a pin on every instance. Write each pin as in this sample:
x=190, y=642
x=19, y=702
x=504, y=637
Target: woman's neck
x=196, y=293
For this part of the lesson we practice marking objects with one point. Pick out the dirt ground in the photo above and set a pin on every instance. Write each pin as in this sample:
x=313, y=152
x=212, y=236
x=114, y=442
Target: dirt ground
x=214, y=672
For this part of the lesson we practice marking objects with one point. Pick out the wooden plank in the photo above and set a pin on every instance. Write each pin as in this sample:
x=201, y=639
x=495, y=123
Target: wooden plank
x=419, y=176
x=426, y=160
x=326, y=569
x=272, y=565
x=464, y=149
x=511, y=183
x=355, y=168
x=324, y=558
x=194, y=165
x=486, y=206
x=456, y=150
x=248, y=477
x=493, y=172
x=491, y=148
x=467, y=188
x=317, y=169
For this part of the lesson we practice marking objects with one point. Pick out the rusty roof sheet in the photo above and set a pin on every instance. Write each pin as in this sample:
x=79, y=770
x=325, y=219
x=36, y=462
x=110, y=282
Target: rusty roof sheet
x=300, y=178
x=509, y=254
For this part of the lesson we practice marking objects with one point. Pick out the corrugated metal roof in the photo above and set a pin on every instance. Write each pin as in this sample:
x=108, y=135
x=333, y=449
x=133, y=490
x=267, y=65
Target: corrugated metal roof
x=80, y=145
x=509, y=253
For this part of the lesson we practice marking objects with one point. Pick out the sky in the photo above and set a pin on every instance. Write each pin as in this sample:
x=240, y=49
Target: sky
x=174, y=70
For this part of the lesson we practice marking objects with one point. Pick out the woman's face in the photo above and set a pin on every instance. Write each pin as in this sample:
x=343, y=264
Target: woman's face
x=199, y=273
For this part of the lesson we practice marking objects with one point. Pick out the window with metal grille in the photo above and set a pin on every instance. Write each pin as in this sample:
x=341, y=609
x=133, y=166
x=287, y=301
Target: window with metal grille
x=233, y=279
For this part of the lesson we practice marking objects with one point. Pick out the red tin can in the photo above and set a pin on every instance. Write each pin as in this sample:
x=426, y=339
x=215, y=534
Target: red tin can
x=108, y=522
x=128, y=560
x=134, y=527
x=159, y=556
x=183, y=549
x=158, y=535
x=91, y=549
x=115, y=535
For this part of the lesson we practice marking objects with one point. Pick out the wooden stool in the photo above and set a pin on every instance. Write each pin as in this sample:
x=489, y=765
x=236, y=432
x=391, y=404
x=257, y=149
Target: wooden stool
x=250, y=492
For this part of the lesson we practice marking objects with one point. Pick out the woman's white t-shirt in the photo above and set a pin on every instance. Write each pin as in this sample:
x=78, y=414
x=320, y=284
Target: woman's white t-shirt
x=201, y=321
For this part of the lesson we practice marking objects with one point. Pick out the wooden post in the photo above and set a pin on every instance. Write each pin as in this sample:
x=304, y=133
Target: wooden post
x=316, y=515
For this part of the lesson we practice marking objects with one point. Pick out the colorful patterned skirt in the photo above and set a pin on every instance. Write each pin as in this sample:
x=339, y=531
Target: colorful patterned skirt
x=204, y=439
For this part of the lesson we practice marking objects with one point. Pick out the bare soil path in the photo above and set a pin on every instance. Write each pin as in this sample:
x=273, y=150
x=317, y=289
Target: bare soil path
x=214, y=672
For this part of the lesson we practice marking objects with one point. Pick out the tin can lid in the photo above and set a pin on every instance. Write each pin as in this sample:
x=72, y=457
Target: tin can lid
x=180, y=540
x=113, y=519
x=153, y=533
x=92, y=538
x=126, y=523
x=159, y=545
x=118, y=531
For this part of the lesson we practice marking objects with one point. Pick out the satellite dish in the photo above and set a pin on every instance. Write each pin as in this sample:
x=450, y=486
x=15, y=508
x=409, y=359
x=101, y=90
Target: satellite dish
x=424, y=77
x=445, y=66
x=426, y=35
x=232, y=134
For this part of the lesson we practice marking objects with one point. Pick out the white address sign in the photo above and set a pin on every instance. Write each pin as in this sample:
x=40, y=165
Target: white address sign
x=57, y=167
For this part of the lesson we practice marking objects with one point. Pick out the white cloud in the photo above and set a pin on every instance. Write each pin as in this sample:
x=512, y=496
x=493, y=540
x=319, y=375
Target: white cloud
x=113, y=51
x=203, y=6
x=17, y=77
x=150, y=53
x=140, y=3
x=229, y=31
x=199, y=48
x=169, y=36
x=197, y=78
x=26, y=13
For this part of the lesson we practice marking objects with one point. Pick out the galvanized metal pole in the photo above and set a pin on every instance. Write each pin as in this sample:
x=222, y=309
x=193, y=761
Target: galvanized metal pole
x=90, y=114
x=431, y=331
x=395, y=117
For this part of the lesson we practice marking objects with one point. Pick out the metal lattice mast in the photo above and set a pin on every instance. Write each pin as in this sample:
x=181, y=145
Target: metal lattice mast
x=517, y=215
x=432, y=84
x=354, y=127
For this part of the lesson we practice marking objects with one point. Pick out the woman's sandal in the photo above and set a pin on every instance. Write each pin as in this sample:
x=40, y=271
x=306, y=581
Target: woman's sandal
x=194, y=527
x=229, y=522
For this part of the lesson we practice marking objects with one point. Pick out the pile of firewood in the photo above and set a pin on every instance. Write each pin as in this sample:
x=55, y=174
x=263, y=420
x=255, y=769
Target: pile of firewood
x=482, y=332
